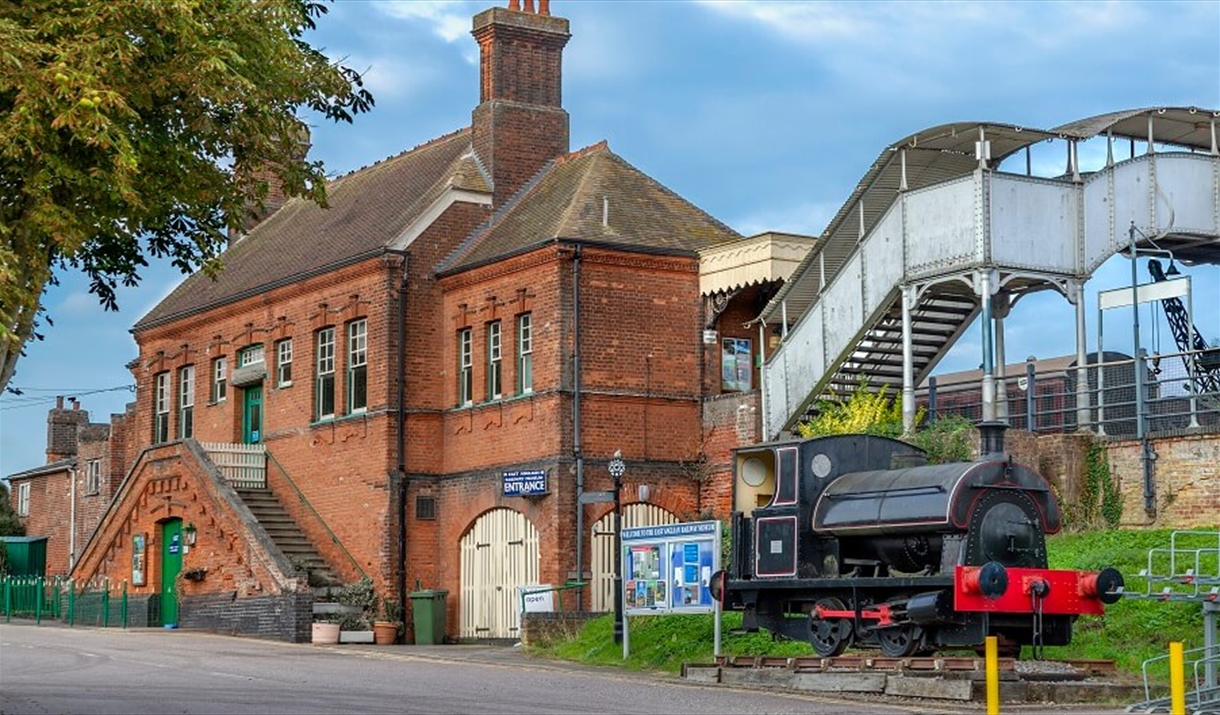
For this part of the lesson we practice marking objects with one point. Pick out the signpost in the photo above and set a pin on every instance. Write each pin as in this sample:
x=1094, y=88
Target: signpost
x=669, y=568
x=617, y=469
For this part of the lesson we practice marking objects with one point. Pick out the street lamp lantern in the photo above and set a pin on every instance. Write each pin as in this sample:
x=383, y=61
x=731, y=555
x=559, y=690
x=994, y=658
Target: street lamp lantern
x=618, y=468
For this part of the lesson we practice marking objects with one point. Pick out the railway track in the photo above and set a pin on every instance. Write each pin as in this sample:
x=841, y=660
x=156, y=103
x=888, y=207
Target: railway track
x=940, y=664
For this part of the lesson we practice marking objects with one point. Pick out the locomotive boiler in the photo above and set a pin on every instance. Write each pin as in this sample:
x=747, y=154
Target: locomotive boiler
x=857, y=539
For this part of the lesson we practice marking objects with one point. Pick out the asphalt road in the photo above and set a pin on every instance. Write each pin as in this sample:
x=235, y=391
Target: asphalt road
x=52, y=669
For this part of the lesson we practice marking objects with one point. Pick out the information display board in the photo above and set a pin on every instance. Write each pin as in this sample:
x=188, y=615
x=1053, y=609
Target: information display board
x=667, y=568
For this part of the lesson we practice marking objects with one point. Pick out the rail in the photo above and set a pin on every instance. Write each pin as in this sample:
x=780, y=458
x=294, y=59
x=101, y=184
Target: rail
x=95, y=603
x=317, y=517
x=1046, y=401
x=559, y=590
x=1188, y=570
x=242, y=465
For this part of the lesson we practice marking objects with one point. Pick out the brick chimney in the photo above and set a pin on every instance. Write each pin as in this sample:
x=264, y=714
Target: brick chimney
x=275, y=199
x=63, y=427
x=520, y=123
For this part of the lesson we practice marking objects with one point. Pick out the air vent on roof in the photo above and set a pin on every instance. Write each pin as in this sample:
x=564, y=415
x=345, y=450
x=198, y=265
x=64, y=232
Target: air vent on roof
x=425, y=507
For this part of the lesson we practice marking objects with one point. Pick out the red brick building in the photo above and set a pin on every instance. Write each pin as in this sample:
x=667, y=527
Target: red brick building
x=416, y=383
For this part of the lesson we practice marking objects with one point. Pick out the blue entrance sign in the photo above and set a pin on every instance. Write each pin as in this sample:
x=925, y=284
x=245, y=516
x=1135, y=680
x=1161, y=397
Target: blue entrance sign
x=526, y=483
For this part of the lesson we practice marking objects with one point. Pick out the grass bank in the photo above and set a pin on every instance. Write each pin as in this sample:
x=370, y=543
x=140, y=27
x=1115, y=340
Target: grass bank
x=1129, y=633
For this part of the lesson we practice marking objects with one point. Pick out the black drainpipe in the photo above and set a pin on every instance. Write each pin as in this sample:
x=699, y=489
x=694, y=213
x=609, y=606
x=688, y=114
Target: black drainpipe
x=576, y=449
x=401, y=468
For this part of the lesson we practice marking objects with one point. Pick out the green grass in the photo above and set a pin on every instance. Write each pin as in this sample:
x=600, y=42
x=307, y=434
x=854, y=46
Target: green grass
x=1130, y=632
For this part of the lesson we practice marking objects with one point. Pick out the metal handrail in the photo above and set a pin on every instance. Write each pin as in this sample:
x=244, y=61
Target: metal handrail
x=569, y=586
x=301, y=496
x=1195, y=664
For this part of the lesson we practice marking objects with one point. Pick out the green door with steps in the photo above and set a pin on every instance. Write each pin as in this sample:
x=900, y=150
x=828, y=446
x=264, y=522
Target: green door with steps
x=171, y=564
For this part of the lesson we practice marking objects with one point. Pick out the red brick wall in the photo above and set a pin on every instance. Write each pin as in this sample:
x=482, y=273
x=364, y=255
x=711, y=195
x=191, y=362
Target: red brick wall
x=1187, y=477
x=50, y=501
x=168, y=482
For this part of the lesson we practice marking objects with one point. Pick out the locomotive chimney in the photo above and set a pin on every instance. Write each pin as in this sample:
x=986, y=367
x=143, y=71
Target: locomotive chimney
x=991, y=437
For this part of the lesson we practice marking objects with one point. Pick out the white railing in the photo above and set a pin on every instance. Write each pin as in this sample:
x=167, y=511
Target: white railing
x=242, y=465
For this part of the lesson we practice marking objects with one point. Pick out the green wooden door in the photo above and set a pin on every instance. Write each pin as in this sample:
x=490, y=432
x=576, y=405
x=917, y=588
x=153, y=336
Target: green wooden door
x=252, y=423
x=171, y=564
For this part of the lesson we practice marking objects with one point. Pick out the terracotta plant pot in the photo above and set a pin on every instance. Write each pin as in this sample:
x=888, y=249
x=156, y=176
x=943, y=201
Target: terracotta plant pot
x=327, y=633
x=384, y=632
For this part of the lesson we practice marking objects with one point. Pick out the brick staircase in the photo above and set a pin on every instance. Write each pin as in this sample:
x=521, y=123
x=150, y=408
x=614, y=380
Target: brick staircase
x=287, y=535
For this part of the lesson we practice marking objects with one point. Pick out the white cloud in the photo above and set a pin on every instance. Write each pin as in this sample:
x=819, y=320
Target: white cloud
x=808, y=218
x=388, y=76
x=450, y=19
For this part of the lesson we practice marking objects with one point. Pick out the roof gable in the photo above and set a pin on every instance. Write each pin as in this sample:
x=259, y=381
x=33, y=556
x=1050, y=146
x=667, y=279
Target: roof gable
x=592, y=195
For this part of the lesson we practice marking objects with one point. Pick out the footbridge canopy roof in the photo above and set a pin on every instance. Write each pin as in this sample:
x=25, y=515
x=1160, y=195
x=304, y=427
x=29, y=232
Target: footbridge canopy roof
x=946, y=152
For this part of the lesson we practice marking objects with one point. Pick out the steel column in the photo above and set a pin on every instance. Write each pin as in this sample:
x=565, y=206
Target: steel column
x=908, y=362
x=1082, y=358
x=988, y=349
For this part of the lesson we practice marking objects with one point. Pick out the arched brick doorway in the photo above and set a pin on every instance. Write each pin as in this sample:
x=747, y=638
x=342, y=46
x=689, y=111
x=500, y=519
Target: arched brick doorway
x=499, y=554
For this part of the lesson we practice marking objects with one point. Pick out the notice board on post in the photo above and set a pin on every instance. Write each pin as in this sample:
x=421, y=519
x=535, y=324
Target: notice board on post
x=667, y=568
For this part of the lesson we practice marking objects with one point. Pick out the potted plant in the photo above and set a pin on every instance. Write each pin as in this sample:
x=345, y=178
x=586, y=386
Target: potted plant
x=387, y=628
x=326, y=630
x=359, y=603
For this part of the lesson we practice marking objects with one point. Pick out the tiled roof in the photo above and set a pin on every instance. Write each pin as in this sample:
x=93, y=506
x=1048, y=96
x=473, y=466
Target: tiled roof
x=368, y=209
x=45, y=469
x=567, y=200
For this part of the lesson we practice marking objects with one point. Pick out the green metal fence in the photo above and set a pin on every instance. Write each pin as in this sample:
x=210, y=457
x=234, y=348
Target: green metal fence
x=90, y=603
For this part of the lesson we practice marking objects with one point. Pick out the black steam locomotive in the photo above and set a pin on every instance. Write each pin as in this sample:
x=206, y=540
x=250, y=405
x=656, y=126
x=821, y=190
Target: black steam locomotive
x=856, y=539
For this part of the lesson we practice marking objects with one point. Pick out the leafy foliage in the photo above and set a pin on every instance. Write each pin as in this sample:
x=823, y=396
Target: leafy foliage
x=10, y=523
x=949, y=439
x=148, y=128
x=1101, y=501
x=865, y=412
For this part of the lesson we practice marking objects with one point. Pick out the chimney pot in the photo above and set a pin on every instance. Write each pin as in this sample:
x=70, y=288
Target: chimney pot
x=514, y=5
x=59, y=402
x=75, y=404
x=529, y=6
x=544, y=7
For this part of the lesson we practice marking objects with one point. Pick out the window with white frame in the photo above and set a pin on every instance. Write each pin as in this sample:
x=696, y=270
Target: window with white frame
x=283, y=363
x=324, y=392
x=160, y=408
x=250, y=355
x=23, y=499
x=219, y=379
x=525, y=354
x=93, y=476
x=494, y=389
x=186, y=402
x=465, y=367
x=357, y=365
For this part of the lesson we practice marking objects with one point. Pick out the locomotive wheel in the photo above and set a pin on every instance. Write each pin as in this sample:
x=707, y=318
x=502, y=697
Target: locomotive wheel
x=900, y=641
x=829, y=636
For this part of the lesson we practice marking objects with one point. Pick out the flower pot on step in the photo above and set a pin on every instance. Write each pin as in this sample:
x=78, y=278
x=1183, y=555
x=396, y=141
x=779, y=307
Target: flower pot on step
x=385, y=632
x=326, y=633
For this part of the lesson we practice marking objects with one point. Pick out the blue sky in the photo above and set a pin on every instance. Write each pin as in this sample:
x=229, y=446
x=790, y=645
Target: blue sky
x=765, y=114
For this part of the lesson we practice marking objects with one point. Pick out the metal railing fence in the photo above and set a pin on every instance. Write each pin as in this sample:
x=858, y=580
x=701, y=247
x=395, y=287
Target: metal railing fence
x=96, y=602
x=1181, y=392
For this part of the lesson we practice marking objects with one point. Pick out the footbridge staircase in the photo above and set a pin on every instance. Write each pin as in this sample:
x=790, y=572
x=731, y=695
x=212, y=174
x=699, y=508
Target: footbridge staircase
x=940, y=222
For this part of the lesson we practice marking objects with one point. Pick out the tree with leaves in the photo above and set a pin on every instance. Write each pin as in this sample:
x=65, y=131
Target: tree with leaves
x=148, y=129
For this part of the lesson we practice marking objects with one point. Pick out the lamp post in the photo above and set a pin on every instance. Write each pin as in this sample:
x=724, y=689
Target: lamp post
x=617, y=469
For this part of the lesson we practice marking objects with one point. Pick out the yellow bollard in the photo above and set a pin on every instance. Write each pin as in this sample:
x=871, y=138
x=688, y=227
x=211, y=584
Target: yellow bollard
x=993, y=675
x=1177, y=679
